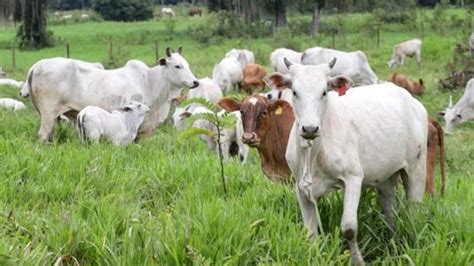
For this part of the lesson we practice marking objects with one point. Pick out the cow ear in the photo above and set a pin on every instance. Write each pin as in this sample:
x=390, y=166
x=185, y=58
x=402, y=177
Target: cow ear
x=340, y=84
x=277, y=81
x=180, y=50
x=169, y=51
x=279, y=107
x=421, y=82
x=162, y=62
x=185, y=115
x=230, y=105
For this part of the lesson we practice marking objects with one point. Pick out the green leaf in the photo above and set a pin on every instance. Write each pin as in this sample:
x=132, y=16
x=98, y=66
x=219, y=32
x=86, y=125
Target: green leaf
x=209, y=105
x=228, y=120
x=194, y=131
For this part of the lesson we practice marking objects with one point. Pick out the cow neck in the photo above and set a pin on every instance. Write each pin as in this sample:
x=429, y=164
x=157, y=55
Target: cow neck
x=276, y=140
x=332, y=126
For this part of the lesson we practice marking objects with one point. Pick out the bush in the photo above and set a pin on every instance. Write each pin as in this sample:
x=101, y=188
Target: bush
x=124, y=10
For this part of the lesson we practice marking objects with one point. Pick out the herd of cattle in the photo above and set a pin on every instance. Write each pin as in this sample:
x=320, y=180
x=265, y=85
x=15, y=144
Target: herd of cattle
x=327, y=122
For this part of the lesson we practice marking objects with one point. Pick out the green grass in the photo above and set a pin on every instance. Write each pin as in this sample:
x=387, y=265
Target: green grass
x=161, y=201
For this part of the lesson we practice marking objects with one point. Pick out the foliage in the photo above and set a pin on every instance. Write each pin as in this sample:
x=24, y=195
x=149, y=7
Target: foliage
x=220, y=120
x=124, y=10
x=460, y=68
x=33, y=33
x=69, y=4
x=117, y=54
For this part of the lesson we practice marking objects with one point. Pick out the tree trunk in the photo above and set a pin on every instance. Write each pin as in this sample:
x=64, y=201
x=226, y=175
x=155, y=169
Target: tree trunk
x=33, y=32
x=280, y=13
x=315, y=22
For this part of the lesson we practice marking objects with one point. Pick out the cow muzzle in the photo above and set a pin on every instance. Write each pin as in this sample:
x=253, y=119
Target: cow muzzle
x=309, y=132
x=251, y=139
x=195, y=84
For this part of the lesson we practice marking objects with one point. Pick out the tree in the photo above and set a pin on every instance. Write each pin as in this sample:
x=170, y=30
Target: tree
x=316, y=20
x=124, y=10
x=33, y=33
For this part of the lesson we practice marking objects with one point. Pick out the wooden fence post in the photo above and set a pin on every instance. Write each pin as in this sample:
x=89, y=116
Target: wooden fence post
x=378, y=37
x=422, y=30
x=68, y=54
x=157, y=48
x=333, y=33
x=14, y=55
x=111, y=49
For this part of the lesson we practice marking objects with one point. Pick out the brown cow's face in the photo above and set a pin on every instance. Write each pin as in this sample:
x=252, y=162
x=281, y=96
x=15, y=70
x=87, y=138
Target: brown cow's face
x=255, y=119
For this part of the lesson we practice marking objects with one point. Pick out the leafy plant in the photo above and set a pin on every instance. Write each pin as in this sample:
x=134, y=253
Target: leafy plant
x=218, y=119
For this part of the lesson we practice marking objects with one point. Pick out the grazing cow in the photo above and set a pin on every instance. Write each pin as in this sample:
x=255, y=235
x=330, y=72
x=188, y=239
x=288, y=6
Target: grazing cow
x=276, y=59
x=402, y=50
x=62, y=86
x=11, y=82
x=12, y=104
x=413, y=87
x=167, y=12
x=252, y=77
x=353, y=65
x=335, y=141
x=207, y=89
x=244, y=56
x=66, y=17
x=266, y=127
x=227, y=73
x=274, y=95
x=195, y=11
x=120, y=127
x=229, y=136
x=435, y=141
x=462, y=112
x=84, y=16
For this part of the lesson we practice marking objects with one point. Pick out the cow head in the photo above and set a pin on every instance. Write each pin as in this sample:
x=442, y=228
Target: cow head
x=392, y=63
x=310, y=85
x=419, y=87
x=177, y=69
x=257, y=113
x=136, y=107
x=452, y=117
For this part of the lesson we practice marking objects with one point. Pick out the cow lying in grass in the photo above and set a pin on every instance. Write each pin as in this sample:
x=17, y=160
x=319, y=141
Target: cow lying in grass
x=120, y=126
x=413, y=87
x=12, y=104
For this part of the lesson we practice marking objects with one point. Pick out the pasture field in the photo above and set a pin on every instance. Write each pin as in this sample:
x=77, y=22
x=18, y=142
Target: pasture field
x=161, y=202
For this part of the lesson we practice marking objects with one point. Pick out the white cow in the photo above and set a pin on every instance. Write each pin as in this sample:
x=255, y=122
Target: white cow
x=11, y=82
x=66, y=17
x=61, y=86
x=166, y=11
x=367, y=137
x=25, y=88
x=244, y=56
x=207, y=89
x=12, y=104
x=353, y=65
x=274, y=95
x=228, y=135
x=402, y=50
x=276, y=59
x=119, y=127
x=462, y=112
x=227, y=73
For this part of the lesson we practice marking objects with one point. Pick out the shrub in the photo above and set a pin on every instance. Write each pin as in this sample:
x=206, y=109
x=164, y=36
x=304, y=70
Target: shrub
x=124, y=10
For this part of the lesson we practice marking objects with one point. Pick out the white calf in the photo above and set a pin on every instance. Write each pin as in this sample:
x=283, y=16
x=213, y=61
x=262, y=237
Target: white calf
x=227, y=73
x=120, y=127
x=11, y=82
x=402, y=50
x=12, y=104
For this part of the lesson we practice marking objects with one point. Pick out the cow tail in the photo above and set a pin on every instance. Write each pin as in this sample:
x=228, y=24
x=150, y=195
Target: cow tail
x=80, y=127
x=442, y=160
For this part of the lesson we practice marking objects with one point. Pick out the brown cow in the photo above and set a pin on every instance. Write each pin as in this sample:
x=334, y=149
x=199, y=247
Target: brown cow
x=435, y=140
x=415, y=88
x=195, y=11
x=267, y=127
x=252, y=77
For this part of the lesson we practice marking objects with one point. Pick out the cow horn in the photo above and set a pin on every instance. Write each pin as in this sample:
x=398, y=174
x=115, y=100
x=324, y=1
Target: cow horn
x=450, y=101
x=169, y=51
x=332, y=63
x=180, y=49
x=287, y=62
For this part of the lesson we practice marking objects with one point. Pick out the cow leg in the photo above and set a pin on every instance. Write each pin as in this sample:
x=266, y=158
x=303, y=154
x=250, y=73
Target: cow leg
x=418, y=58
x=308, y=210
x=386, y=198
x=45, y=133
x=352, y=190
x=414, y=179
x=402, y=60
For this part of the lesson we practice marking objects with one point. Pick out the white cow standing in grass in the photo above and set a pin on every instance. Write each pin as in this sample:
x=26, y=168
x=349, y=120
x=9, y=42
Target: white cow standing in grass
x=12, y=104
x=277, y=56
x=244, y=56
x=207, y=89
x=227, y=73
x=353, y=65
x=11, y=82
x=119, y=127
x=370, y=136
x=462, y=112
x=167, y=12
x=402, y=50
x=62, y=86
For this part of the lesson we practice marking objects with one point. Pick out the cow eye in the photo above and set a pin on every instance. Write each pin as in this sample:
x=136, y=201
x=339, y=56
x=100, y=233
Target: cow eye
x=294, y=93
x=264, y=112
x=178, y=66
x=324, y=93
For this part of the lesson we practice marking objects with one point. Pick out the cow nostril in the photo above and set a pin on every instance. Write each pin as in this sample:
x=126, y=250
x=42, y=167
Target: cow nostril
x=316, y=129
x=310, y=130
x=195, y=83
x=269, y=96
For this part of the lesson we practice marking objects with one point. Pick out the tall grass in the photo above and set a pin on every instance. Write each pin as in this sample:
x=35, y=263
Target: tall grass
x=161, y=202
